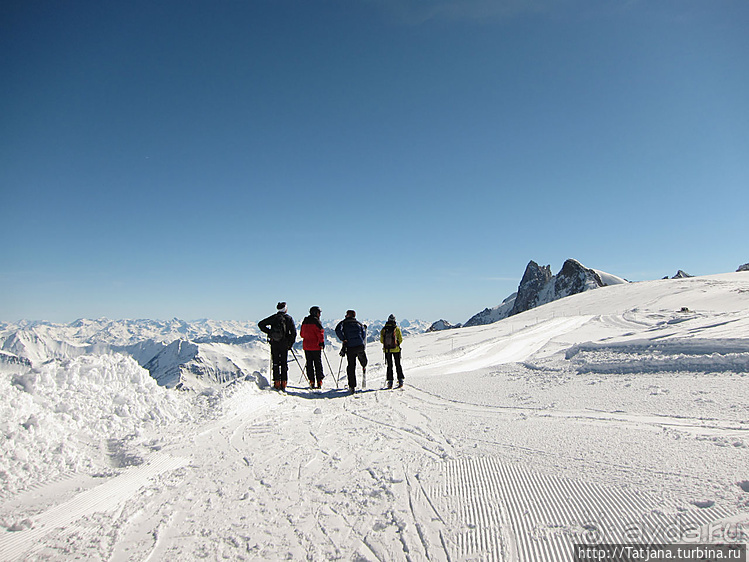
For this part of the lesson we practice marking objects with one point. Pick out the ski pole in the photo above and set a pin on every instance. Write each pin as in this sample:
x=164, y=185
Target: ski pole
x=339, y=368
x=301, y=379
x=331, y=368
x=298, y=363
x=270, y=364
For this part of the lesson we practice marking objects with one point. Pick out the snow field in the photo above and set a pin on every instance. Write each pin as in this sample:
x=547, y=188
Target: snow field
x=613, y=417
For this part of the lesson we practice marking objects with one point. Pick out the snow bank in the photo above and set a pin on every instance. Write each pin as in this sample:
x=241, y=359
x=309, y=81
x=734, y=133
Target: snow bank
x=660, y=356
x=66, y=415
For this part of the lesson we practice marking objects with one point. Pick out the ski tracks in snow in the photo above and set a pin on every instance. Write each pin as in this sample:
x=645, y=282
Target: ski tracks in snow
x=323, y=476
x=69, y=523
x=299, y=476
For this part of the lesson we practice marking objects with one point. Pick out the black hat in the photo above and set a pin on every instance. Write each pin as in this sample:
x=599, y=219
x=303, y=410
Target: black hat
x=315, y=310
x=281, y=306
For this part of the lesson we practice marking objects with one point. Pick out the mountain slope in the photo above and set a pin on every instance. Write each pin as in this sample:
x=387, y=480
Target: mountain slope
x=609, y=416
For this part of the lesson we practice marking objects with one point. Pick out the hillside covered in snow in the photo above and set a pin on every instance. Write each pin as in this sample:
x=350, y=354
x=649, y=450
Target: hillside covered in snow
x=615, y=415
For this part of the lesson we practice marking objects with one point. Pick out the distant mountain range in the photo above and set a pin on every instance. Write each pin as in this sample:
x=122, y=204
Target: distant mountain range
x=177, y=353
x=204, y=353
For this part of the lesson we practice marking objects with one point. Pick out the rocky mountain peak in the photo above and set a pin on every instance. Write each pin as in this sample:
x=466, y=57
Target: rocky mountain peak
x=539, y=286
x=575, y=278
x=534, y=280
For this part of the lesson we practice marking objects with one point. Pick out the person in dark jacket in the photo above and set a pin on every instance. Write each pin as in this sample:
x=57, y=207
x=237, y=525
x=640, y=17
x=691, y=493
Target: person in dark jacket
x=281, y=335
x=392, y=339
x=313, y=342
x=353, y=334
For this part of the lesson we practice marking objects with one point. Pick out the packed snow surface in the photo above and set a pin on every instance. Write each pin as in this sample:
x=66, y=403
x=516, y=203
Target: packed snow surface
x=615, y=415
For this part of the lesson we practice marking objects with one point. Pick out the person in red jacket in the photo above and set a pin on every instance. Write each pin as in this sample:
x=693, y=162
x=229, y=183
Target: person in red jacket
x=313, y=342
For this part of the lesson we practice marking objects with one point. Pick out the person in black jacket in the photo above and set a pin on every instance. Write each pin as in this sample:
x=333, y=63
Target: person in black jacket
x=281, y=335
x=353, y=334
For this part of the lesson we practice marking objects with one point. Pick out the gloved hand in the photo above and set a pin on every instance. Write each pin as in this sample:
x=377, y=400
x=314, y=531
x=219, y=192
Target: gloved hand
x=322, y=345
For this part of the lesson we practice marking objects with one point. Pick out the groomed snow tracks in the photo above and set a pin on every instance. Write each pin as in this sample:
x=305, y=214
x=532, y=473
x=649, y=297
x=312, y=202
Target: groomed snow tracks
x=503, y=511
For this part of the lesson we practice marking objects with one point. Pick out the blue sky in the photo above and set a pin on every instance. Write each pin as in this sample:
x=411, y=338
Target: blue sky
x=200, y=159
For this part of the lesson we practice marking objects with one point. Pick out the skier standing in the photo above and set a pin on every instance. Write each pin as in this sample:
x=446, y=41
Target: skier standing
x=391, y=339
x=313, y=337
x=353, y=334
x=281, y=335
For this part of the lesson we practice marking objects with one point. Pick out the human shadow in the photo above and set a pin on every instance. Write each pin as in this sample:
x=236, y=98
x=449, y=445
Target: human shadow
x=319, y=393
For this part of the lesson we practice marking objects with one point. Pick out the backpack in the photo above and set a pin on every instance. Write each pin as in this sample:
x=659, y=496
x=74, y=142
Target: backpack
x=389, y=341
x=278, y=330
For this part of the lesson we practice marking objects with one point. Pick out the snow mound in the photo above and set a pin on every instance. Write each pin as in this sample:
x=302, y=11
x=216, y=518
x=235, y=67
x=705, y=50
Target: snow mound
x=73, y=415
x=673, y=355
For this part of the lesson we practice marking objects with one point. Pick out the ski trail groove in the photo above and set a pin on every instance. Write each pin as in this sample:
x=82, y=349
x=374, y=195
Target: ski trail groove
x=502, y=511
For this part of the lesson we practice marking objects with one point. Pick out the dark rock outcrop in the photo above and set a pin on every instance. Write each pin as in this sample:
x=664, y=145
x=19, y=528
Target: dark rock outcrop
x=532, y=285
x=575, y=278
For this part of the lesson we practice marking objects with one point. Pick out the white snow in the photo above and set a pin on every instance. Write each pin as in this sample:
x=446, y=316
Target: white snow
x=65, y=416
x=608, y=279
x=611, y=416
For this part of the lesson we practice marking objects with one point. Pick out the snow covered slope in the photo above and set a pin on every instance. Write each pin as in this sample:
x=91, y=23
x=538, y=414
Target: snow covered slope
x=614, y=415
